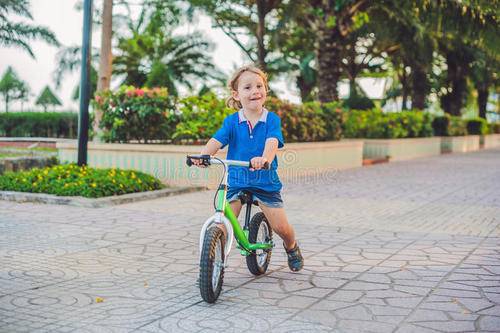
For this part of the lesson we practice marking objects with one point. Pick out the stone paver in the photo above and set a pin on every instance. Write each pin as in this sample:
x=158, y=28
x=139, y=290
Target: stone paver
x=401, y=247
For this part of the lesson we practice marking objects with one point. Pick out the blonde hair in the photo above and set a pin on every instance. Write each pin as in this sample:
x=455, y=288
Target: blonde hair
x=233, y=83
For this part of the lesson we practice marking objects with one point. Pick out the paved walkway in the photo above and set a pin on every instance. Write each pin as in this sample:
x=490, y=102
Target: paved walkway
x=402, y=247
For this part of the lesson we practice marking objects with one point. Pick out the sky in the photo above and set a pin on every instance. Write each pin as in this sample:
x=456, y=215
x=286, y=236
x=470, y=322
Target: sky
x=66, y=22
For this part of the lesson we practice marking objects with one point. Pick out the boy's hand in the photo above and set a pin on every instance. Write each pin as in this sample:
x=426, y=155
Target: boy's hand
x=198, y=162
x=257, y=163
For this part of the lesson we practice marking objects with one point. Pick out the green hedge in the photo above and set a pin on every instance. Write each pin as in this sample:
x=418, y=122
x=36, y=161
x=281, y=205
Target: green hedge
x=72, y=180
x=449, y=126
x=307, y=122
x=151, y=114
x=199, y=118
x=494, y=128
x=139, y=114
x=477, y=126
x=39, y=124
x=375, y=124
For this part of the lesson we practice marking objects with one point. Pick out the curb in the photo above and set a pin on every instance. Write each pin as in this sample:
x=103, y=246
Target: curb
x=95, y=203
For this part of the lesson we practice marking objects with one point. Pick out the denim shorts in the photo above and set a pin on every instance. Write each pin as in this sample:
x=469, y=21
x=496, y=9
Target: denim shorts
x=268, y=199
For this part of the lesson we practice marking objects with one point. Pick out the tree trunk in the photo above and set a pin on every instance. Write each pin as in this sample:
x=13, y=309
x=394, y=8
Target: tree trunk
x=482, y=99
x=353, y=92
x=329, y=62
x=106, y=58
x=260, y=33
x=305, y=89
x=453, y=101
x=421, y=87
x=403, y=78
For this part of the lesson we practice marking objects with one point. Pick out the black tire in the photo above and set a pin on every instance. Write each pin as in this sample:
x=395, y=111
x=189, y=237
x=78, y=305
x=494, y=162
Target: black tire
x=214, y=240
x=257, y=262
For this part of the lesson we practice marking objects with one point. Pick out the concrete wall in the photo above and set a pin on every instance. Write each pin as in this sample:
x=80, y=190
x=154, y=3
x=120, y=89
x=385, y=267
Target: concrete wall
x=490, y=141
x=401, y=149
x=459, y=144
x=168, y=162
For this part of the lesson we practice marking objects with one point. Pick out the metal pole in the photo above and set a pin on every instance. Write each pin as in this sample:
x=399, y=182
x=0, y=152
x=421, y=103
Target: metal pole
x=83, y=121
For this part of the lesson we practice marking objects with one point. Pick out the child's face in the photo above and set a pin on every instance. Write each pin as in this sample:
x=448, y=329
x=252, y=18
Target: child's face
x=251, y=91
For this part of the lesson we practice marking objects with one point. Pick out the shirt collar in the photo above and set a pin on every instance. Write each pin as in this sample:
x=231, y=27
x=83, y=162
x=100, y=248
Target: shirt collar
x=263, y=117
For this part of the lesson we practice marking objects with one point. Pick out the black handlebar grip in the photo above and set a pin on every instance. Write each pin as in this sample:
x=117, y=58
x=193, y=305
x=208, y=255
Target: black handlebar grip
x=188, y=161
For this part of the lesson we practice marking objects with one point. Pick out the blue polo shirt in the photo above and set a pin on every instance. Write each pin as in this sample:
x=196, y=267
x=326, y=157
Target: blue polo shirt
x=246, y=143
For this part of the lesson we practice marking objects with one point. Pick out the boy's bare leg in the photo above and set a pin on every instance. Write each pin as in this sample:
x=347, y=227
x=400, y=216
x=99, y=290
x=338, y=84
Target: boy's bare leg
x=236, y=207
x=279, y=223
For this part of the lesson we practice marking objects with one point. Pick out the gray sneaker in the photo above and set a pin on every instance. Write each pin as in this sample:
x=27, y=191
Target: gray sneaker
x=295, y=259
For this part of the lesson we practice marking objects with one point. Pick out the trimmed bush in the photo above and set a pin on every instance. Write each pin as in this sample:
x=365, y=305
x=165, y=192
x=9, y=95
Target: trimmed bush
x=375, y=124
x=440, y=125
x=477, y=126
x=494, y=128
x=457, y=126
x=139, y=114
x=358, y=102
x=39, y=124
x=200, y=118
x=311, y=121
x=72, y=180
x=449, y=126
x=417, y=123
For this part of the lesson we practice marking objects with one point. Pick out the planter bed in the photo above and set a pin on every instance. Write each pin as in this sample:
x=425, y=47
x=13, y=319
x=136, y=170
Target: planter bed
x=26, y=142
x=168, y=162
x=490, y=141
x=400, y=149
x=459, y=144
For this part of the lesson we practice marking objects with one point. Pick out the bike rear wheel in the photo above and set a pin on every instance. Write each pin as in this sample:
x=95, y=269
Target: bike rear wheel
x=212, y=264
x=259, y=231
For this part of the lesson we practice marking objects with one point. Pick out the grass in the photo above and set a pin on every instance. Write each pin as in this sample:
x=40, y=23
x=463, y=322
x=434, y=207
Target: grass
x=4, y=155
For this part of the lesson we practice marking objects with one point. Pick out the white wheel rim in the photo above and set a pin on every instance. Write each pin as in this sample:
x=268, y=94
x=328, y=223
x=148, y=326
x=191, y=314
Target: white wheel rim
x=262, y=237
x=218, y=264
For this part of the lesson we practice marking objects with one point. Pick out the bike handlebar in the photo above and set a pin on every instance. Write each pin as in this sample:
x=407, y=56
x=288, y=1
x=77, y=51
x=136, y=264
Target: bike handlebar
x=207, y=160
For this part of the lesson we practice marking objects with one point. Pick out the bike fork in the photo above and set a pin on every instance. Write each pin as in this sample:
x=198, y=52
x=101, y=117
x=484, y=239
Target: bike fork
x=218, y=218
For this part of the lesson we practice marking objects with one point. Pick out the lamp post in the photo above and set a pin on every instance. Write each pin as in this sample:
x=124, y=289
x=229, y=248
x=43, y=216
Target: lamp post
x=83, y=119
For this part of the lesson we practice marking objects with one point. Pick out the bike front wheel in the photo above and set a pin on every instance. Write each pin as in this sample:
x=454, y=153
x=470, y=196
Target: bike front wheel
x=212, y=264
x=259, y=231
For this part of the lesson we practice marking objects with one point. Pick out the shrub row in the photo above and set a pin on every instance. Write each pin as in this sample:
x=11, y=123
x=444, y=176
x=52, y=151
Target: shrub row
x=136, y=114
x=146, y=115
x=455, y=126
x=377, y=124
x=152, y=115
x=39, y=124
x=72, y=180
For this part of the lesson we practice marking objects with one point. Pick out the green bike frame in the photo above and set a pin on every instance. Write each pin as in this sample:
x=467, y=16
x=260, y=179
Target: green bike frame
x=225, y=215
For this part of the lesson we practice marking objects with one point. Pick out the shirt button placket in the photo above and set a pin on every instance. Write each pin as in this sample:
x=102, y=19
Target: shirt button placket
x=250, y=129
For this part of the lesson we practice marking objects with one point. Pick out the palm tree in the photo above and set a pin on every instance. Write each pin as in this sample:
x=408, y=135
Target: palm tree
x=162, y=60
x=12, y=87
x=153, y=56
x=147, y=53
x=19, y=34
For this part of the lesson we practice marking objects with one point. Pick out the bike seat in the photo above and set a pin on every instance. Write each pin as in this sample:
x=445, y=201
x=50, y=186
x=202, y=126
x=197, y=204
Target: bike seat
x=246, y=197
